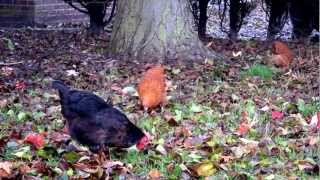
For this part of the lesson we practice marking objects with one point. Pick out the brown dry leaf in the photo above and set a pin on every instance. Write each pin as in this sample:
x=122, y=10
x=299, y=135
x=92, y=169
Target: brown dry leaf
x=225, y=159
x=209, y=44
x=313, y=140
x=161, y=150
x=170, y=167
x=87, y=168
x=182, y=131
x=186, y=132
x=5, y=169
x=112, y=164
x=39, y=166
x=59, y=137
x=3, y=103
x=154, y=174
x=24, y=169
x=170, y=119
x=307, y=166
x=116, y=87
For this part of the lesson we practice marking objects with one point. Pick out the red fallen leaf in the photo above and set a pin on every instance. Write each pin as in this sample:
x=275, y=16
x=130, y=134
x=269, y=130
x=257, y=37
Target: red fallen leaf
x=243, y=128
x=24, y=169
x=277, y=115
x=39, y=166
x=20, y=85
x=318, y=116
x=5, y=169
x=245, y=125
x=35, y=139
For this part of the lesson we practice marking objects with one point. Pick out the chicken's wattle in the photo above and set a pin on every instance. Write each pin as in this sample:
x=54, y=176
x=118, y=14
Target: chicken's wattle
x=142, y=143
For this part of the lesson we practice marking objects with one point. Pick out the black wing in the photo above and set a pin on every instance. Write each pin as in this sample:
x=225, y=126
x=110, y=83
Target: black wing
x=120, y=132
x=86, y=103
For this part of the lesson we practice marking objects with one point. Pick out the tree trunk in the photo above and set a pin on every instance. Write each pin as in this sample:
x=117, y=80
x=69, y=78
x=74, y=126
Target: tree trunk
x=162, y=30
x=96, y=13
x=278, y=16
x=202, y=27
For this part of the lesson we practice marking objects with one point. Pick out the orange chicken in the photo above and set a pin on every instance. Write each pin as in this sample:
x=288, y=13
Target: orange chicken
x=282, y=55
x=152, y=88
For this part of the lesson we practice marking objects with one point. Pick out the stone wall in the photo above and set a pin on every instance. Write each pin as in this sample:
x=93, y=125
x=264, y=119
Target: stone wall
x=18, y=13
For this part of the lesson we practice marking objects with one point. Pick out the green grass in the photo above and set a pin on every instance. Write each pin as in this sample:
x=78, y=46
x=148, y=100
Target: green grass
x=259, y=70
x=308, y=109
x=145, y=162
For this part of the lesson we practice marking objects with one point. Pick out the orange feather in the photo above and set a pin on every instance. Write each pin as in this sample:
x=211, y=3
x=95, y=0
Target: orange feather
x=283, y=56
x=151, y=88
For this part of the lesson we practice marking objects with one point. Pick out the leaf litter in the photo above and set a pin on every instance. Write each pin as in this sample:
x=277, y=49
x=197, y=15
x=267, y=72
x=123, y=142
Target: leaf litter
x=219, y=121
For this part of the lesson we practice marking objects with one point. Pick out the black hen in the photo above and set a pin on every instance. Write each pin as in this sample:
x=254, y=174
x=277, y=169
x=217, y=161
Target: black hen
x=94, y=122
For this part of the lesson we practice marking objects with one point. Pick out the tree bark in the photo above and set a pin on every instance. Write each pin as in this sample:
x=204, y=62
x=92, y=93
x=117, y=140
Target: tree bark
x=202, y=27
x=96, y=11
x=145, y=29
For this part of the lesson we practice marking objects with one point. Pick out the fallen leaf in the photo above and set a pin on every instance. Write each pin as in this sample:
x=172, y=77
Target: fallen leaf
x=243, y=128
x=308, y=166
x=23, y=153
x=170, y=119
x=265, y=108
x=72, y=72
x=86, y=168
x=20, y=85
x=236, y=54
x=313, y=140
x=24, y=169
x=36, y=140
x=59, y=137
x=161, y=150
x=205, y=169
x=209, y=44
x=170, y=167
x=39, y=166
x=277, y=115
x=130, y=91
x=112, y=164
x=6, y=71
x=3, y=103
x=5, y=169
x=315, y=121
x=225, y=159
x=269, y=177
x=154, y=174
x=237, y=151
x=71, y=157
x=318, y=115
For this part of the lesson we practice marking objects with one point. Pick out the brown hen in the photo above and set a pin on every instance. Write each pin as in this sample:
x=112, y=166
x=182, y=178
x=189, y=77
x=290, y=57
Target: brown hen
x=282, y=55
x=151, y=88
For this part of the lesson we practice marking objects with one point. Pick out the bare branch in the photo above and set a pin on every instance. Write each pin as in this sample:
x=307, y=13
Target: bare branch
x=112, y=13
x=75, y=7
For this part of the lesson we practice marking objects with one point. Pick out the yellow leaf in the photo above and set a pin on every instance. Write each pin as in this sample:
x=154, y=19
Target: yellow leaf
x=205, y=169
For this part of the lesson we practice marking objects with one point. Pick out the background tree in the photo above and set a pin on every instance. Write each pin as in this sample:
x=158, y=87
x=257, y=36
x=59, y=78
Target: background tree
x=96, y=9
x=156, y=29
x=238, y=11
x=304, y=16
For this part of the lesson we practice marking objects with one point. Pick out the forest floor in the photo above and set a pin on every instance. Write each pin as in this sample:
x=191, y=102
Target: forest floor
x=239, y=118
